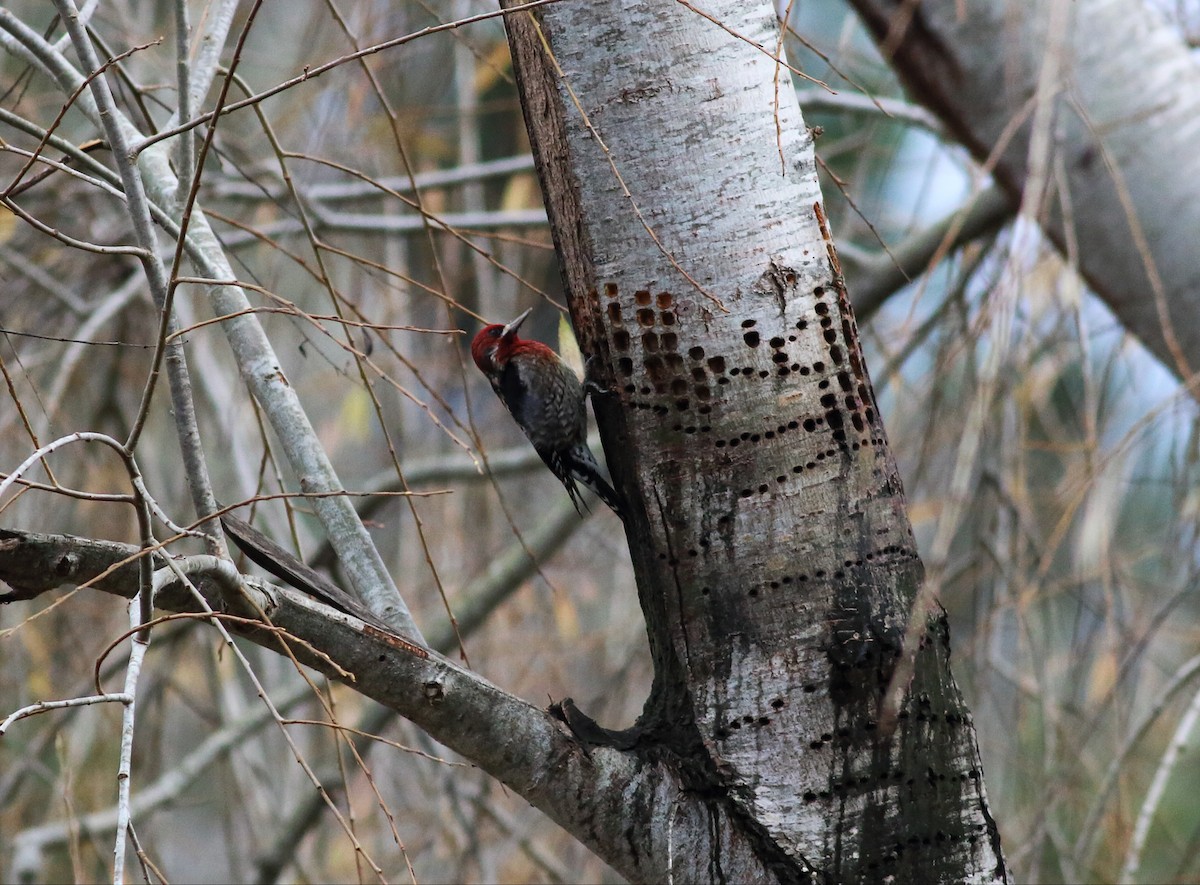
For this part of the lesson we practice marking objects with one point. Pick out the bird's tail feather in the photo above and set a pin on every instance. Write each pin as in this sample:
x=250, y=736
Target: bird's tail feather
x=590, y=476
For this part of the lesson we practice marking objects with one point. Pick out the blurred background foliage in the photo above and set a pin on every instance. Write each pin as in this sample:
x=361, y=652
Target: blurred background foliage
x=398, y=191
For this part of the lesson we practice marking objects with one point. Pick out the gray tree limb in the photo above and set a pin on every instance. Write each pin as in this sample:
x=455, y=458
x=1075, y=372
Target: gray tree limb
x=256, y=359
x=1116, y=157
x=603, y=797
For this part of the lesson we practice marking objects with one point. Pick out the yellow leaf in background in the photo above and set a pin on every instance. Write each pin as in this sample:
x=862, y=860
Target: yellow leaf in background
x=568, y=347
x=1103, y=677
x=521, y=192
x=355, y=417
x=8, y=225
x=920, y=512
x=39, y=664
x=566, y=617
x=493, y=67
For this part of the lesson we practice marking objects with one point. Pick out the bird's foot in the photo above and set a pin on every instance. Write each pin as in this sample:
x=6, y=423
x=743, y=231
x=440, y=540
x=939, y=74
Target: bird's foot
x=592, y=385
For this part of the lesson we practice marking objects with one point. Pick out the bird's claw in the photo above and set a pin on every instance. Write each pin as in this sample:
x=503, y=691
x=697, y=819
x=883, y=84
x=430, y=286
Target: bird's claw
x=592, y=386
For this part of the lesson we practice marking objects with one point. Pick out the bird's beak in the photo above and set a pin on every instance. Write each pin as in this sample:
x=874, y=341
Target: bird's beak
x=511, y=328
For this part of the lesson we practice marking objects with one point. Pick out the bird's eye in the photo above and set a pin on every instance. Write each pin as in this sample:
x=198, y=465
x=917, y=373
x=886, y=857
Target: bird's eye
x=494, y=332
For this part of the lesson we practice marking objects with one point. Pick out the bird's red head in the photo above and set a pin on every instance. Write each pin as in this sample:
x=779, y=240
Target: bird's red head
x=494, y=344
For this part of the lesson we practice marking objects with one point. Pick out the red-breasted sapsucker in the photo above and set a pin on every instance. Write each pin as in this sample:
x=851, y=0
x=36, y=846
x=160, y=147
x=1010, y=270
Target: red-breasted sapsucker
x=547, y=400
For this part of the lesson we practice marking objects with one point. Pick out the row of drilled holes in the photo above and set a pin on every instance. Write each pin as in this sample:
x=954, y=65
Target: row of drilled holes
x=764, y=488
x=679, y=386
x=891, y=551
x=736, y=723
x=668, y=342
x=854, y=783
x=845, y=734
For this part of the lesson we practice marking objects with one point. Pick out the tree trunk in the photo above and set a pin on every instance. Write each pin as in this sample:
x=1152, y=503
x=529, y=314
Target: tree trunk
x=776, y=566
x=1093, y=106
x=775, y=562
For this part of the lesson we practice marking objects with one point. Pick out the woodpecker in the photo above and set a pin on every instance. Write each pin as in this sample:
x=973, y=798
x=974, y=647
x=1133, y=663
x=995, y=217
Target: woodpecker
x=546, y=398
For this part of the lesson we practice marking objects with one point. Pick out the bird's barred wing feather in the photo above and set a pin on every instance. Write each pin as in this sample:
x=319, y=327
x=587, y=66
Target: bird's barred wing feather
x=546, y=399
x=584, y=468
x=552, y=409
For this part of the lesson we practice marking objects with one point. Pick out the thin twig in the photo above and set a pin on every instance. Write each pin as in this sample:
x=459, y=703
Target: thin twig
x=45, y=706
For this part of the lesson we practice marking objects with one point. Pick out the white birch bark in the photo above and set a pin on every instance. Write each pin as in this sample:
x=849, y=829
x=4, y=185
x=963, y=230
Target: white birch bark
x=774, y=557
x=1120, y=156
